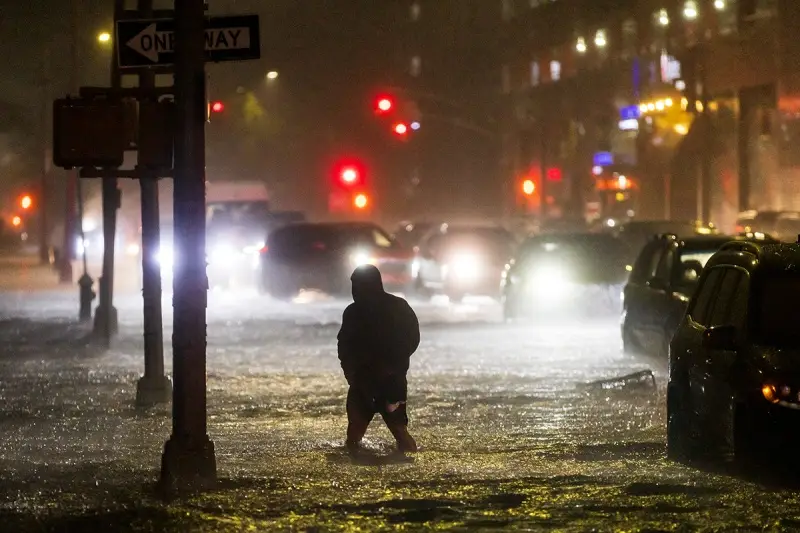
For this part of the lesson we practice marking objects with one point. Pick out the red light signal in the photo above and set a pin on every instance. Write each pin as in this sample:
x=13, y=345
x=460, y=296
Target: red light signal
x=400, y=129
x=554, y=174
x=217, y=107
x=349, y=176
x=26, y=202
x=384, y=105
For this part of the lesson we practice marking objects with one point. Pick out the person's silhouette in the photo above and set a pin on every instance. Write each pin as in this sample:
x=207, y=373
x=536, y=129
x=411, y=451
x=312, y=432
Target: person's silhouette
x=379, y=334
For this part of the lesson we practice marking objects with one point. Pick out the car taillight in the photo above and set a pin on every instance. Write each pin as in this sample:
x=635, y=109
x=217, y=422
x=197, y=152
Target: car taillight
x=264, y=249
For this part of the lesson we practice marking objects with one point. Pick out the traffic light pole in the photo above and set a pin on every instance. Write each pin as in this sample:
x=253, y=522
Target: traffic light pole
x=153, y=387
x=188, y=458
x=105, y=319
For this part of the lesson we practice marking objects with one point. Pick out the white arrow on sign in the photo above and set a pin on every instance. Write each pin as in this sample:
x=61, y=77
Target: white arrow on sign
x=150, y=42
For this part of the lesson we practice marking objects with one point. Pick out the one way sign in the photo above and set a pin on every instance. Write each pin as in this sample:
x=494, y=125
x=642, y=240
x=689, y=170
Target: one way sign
x=151, y=43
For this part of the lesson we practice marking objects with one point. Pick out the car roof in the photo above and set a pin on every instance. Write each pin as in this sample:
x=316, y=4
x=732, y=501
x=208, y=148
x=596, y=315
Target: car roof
x=778, y=258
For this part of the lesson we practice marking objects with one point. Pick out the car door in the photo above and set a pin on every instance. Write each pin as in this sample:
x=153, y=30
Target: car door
x=635, y=299
x=714, y=369
x=693, y=363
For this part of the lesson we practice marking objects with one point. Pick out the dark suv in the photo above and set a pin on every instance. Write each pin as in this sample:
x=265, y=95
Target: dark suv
x=734, y=382
x=663, y=278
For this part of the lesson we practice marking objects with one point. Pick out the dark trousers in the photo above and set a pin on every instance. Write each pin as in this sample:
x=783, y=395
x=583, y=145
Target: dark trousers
x=362, y=406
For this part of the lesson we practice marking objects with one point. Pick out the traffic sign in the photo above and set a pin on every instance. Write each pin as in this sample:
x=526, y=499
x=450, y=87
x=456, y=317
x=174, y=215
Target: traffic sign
x=151, y=42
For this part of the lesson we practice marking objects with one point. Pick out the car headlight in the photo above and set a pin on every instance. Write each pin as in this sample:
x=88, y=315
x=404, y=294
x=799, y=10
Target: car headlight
x=465, y=266
x=551, y=282
x=360, y=258
x=222, y=254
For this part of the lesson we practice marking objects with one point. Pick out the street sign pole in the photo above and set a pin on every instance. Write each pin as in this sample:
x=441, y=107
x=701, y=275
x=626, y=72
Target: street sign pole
x=188, y=458
x=106, y=319
x=153, y=387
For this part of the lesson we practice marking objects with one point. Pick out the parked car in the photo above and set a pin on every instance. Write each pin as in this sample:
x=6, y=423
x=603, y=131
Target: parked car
x=662, y=280
x=565, y=275
x=755, y=221
x=463, y=260
x=734, y=382
x=322, y=256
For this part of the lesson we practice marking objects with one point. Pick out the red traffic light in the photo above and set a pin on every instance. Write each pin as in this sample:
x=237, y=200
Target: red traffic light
x=554, y=174
x=26, y=202
x=385, y=105
x=400, y=129
x=349, y=176
x=217, y=107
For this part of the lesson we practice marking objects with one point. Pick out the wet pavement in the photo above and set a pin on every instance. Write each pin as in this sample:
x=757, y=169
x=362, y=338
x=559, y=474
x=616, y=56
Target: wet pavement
x=516, y=433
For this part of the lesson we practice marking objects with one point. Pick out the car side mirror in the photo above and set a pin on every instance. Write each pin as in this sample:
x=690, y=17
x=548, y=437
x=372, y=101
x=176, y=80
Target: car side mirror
x=721, y=338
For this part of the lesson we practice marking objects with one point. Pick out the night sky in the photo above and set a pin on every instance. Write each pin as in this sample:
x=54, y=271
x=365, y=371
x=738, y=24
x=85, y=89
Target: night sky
x=332, y=55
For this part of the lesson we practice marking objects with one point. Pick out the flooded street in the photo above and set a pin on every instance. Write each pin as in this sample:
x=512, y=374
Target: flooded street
x=514, y=431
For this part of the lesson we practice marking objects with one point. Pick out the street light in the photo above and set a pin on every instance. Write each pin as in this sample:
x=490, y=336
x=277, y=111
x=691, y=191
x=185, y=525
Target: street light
x=104, y=37
x=361, y=201
x=272, y=75
x=26, y=202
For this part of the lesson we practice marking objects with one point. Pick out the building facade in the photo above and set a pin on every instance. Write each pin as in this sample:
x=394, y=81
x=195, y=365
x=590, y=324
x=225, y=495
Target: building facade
x=652, y=108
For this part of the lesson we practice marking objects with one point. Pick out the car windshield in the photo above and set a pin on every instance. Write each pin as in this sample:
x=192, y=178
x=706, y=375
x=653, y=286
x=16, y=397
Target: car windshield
x=776, y=313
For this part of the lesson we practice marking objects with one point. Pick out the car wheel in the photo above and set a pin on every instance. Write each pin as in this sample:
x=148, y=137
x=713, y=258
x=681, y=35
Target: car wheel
x=680, y=436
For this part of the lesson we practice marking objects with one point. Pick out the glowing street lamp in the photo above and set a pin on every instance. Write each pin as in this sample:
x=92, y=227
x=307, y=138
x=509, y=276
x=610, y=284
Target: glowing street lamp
x=272, y=75
x=104, y=37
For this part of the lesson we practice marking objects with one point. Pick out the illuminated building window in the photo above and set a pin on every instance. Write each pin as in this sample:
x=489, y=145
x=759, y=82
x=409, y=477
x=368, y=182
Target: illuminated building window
x=661, y=18
x=555, y=70
x=600, y=39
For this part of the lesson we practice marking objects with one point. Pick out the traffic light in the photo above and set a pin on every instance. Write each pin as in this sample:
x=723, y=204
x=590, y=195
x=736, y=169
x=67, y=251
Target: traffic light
x=528, y=187
x=383, y=105
x=349, y=176
x=554, y=174
x=361, y=201
x=26, y=202
x=400, y=129
x=16, y=221
x=217, y=107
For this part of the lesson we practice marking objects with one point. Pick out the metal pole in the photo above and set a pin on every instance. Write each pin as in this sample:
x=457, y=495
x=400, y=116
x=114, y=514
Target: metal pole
x=188, y=457
x=44, y=248
x=154, y=387
x=106, y=321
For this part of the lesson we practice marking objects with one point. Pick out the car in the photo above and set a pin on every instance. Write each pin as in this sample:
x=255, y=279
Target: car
x=637, y=233
x=410, y=233
x=761, y=221
x=323, y=255
x=662, y=280
x=565, y=275
x=734, y=366
x=463, y=260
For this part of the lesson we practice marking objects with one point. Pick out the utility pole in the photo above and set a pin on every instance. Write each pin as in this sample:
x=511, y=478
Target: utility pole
x=154, y=387
x=188, y=458
x=105, y=319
